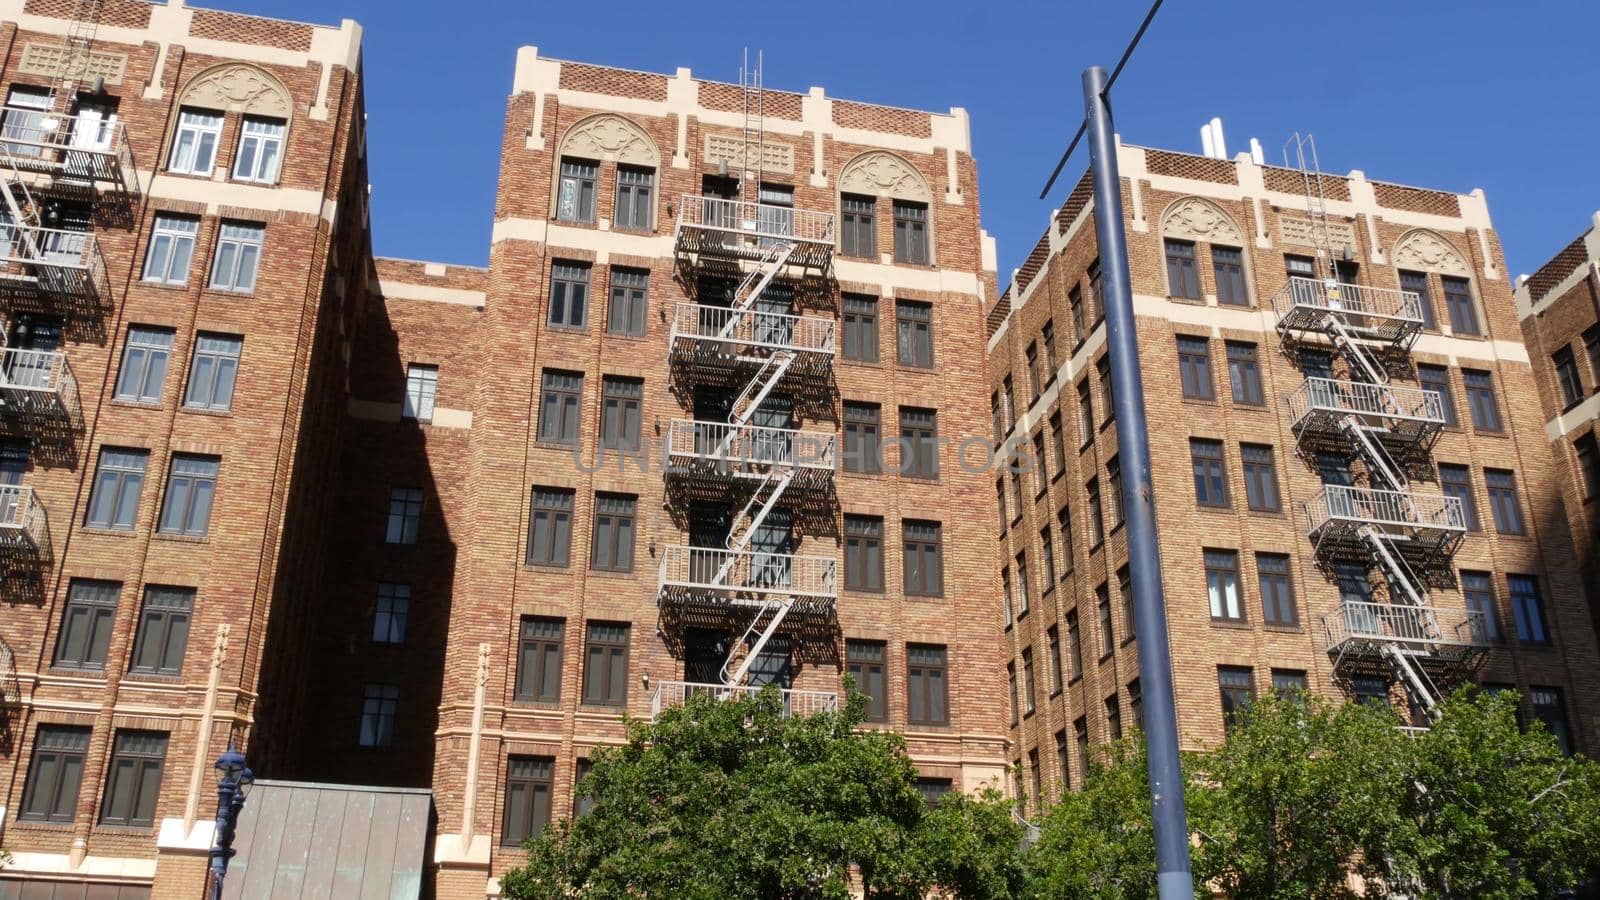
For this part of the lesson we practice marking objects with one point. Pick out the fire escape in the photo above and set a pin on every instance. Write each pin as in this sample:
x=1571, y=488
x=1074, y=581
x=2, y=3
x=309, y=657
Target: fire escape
x=65, y=165
x=746, y=353
x=1405, y=536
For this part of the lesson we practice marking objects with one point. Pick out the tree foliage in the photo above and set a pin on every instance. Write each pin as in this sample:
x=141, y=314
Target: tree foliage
x=1099, y=841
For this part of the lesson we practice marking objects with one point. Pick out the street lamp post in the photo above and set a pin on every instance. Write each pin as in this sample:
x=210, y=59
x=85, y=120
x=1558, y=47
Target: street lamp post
x=233, y=783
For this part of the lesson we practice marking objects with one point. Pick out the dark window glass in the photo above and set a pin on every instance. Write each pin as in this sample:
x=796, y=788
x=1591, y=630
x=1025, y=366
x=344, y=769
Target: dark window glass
x=1591, y=347
x=1437, y=379
x=1527, y=609
x=860, y=327
x=1041, y=468
x=1260, y=478
x=560, y=399
x=1238, y=689
x=1125, y=595
x=863, y=443
x=1228, y=263
x=1477, y=589
x=1080, y=730
x=1047, y=546
x=86, y=623
x=1222, y=585
x=1047, y=334
x=1094, y=291
x=575, y=193
x=539, y=659
x=389, y=614
x=1011, y=403
x=1062, y=765
x=1000, y=499
x=118, y=481
x=1058, y=443
x=997, y=419
x=1097, y=522
x=1417, y=283
x=1503, y=501
x=1024, y=602
x=1113, y=717
x=1481, y=400
x=863, y=553
x=635, y=197
x=919, y=442
x=1182, y=279
x=933, y=789
x=927, y=685
x=1288, y=681
x=133, y=778
x=914, y=333
x=620, y=403
x=613, y=533
x=569, y=294
x=1244, y=373
x=1108, y=395
x=163, y=633
x=1064, y=524
x=550, y=527
x=1194, y=368
x=1210, y=477
x=55, y=774
x=528, y=789
x=1136, y=703
x=1588, y=455
x=405, y=515
x=1114, y=480
x=1277, y=589
x=1085, y=414
x=1029, y=698
x=1035, y=379
x=605, y=664
x=582, y=801
x=191, y=489
x=1057, y=677
x=1567, y=380
x=864, y=661
x=629, y=301
x=1074, y=647
x=1371, y=690
x=1299, y=266
x=1108, y=634
x=923, y=555
x=858, y=226
x=1550, y=708
x=1456, y=481
x=910, y=232
x=1458, y=303
x=379, y=705
x=1080, y=331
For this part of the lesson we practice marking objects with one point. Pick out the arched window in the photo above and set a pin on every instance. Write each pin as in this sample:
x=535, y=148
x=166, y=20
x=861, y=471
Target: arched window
x=880, y=175
x=1197, y=237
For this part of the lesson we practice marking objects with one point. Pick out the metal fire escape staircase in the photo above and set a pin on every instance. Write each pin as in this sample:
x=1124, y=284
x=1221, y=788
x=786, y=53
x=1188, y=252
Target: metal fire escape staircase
x=1385, y=525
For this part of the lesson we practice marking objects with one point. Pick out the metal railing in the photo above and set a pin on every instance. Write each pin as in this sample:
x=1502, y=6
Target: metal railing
x=749, y=571
x=1359, y=620
x=795, y=703
x=89, y=147
x=22, y=519
x=756, y=220
x=1365, y=399
x=30, y=379
x=1360, y=305
x=750, y=327
x=1402, y=509
x=57, y=261
x=727, y=444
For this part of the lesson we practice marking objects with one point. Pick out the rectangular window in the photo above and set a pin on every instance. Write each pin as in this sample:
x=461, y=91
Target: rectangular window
x=1056, y=677
x=927, y=685
x=575, y=193
x=605, y=664
x=1094, y=291
x=1567, y=380
x=997, y=419
x=55, y=774
x=86, y=623
x=405, y=515
x=1058, y=443
x=1527, y=609
x=1456, y=481
x=1029, y=698
x=539, y=650
x=1000, y=499
x=1108, y=634
x=1080, y=731
x=1047, y=546
x=1277, y=589
x=1182, y=279
x=560, y=400
x=569, y=295
x=145, y=357
x=1024, y=600
x=1097, y=522
x=1260, y=478
x=1299, y=266
x=213, y=372
x=1113, y=717
x=1481, y=400
x=1477, y=590
x=1085, y=414
x=1194, y=368
x=1550, y=708
x=163, y=631
x=550, y=527
x=858, y=226
x=1125, y=596
x=919, y=443
x=582, y=803
x=910, y=232
x=613, y=533
x=635, y=198
x=171, y=249
x=379, y=704
x=1064, y=525
x=1370, y=690
x=1047, y=334
x=260, y=150
x=422, y=385
x=1035, y=383
x=1108, y=396
x=133, y=778
x=238, y=257
x=1041, y=469
x=1238, y=689
x=1417, y=283
x=1114, y=480
x=1080, y=331
x=860, y=316
x=934, y=789
x=1228, y=263
x=914, y=333
x=1588, y=456
x=924, y=559
x=1210, y=476
x=863, y=443
x=1244, y=373
x=620, y=401
x=1011, y=689
x=1458, y=303
x=1136, y=703
x=1503, y=501
x=1074, y=647
x=118, y=481
x=191, y=489
x=863, y=553
x=390, y=614
x=1062, y=765
x=1222, y=585
x=1591, y=346
x=1286, y=682
x=629, y=301
x=529, y=780
x=194, y=147
x=864, y=663
x=1437, y=379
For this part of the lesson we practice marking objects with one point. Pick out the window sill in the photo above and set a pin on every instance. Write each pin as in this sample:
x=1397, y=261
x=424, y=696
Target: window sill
x=1267, y=513
x=566, y=329
x=1105, y=659
x=627, y=335
x=1117, y=527
x=612, y=573
x=604, y=709
x=1084, y=447
x=865, y=363
x=112, y=828
x=86, y=674
x=1286, y=628
x=216, y=413
x=1485, y=432
x=911, y=596
x=1073, y=681
x=1233, y=624
x=43, y=827
x=629, y=229
x=164, y=285
x=575, y=223
x=1202, y=401
x=1055, y=693
x=527, y=703
x=1058, y=475
x=182, y=538
x=1107, y=424
x=1096, y=546
x=1187, y=301
x=546, y=567
x=152, y=678
x=1213, y=507
x=110, y=532
x=556, y=445
x=136, y=404
x=225, y=294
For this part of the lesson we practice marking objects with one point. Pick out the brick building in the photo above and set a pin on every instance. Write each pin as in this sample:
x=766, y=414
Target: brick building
x=1559, y=306
x=1324, y=444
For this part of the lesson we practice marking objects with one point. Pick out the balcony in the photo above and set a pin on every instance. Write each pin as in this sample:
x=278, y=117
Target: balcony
x=52, y=264
x=722, y=449
x=1323, y=306
x=37, y=385
x=795, y=703
x=1362, y=629
x=24, y=529
x=740, y=229
x=83, y=149
x=736, y=577
x=1401, y=417
x=1420, y=526
x=721, y=336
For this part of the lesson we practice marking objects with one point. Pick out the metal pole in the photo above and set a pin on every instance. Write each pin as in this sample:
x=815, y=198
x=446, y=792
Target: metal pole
x=220, y=839
x=1174, y=878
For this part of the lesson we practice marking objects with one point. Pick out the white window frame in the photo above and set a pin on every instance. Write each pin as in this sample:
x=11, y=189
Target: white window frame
x=422, y=386
x=260, y=155
x=198, y=136
x=171, y=240
x=238, y=258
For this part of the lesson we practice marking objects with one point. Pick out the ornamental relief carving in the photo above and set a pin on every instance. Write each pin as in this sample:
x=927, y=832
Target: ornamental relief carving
x=775, y=157
x=49, y=60
x=1429, y=251
x=882, y=174
x=612, y=139
x=1200, y=220
x=236, y=87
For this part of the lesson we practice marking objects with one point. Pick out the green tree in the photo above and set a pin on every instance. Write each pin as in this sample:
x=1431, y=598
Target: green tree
x=733, y=799
x=1495, y=811
x=1301, y=794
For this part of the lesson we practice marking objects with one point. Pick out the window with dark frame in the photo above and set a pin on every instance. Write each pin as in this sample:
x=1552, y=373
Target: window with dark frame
x=529, y=783
x=1130, y=623
x=927, y=685
x=923, y=557
x=1035, y=381
x=1108, y=633
x=1277, y=590
x=919, y=442
x=1289, y=682
x=1085, y=414
x=860, y=319
x=1047, y=546
x=1064, y=525
x=1108, y=395
x=934, y=789
x=1437, y=379
x=55, y=774
x=391, y=612
x=1114, y=481
x=539, y=650
x=1228, y=265
x=863, y=445
x=1481, y=400
x=1567, y=379
x=1062, y=764
x=621, y=400
x=1194, y=368
x=910, y=232
x=635, y=207
x=1477, y=590
x=163, y=631
x=1244, y=373
x=1504, y=501
x=133, y=778
x=1080, y=731
x=380, y=703
x=605, y=664
x=914, y=333
x=1058, y=442
x=405, y=515
x=1113, y=718
x=1005, y=595
x=1011, y=689
x=858, y=226
x=560, y=401
x=1551, y=709
x=1260, y=478
x=630, y=289
x=1094, y=298
x=1010, y=403
x=1074, y=647
x=613, y=533
x=191, y=490
x=1456, y=481
x=863, y=553
x=1459, y=306
x=1417, y=283
x=1080, y=331
x=1024, y=598
x=569, y=294
x=997, y=419
x=1029, y=698
x=1057, y=679
x=1047, y=334
x=1000, y=500
x=864, y=661
x=575, y=191
x=1222, y=585
x=1097, y=522
x=1527, y=609
x=582, y=801
x=550, y=527
x=1587, y=453
x=1210, y=475
x=86, y=622
x=1237, y=687
x=1182, y=278
x=1041, y=468
x=1296, y=266
x=1591, y=348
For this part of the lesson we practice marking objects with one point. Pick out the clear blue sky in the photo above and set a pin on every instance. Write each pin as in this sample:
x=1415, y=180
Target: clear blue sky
x=1450, y=95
